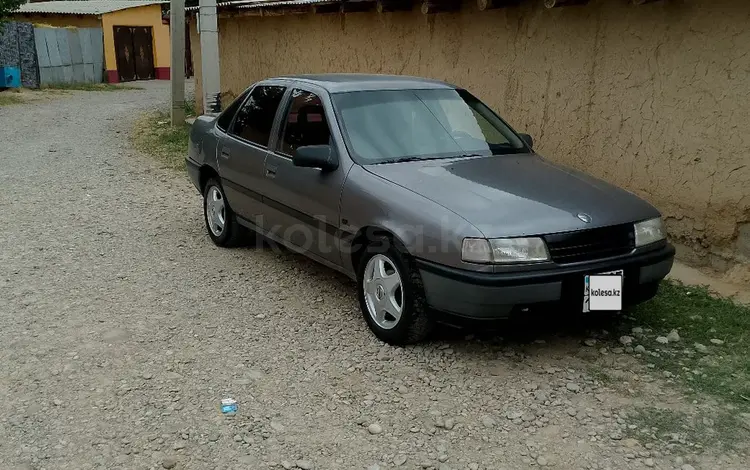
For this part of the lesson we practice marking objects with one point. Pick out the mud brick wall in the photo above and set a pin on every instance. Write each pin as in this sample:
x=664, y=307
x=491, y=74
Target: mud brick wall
x=654, y=98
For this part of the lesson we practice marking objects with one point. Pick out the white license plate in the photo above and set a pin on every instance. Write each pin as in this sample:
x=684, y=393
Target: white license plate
x=603, y=291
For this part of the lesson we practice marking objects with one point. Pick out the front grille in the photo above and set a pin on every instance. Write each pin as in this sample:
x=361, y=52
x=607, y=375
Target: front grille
x=592, y=244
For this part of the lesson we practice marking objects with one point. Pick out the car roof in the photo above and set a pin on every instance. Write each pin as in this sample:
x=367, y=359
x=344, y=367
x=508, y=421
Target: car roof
x=346, y=82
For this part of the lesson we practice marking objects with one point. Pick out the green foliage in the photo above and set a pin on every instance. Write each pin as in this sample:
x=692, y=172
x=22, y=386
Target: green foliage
x=7, y=7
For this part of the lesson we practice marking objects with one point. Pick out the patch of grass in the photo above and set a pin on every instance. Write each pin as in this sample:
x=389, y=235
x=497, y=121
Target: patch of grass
x=677, y=429
x=713, y=354
x=8, y=99
x=90, y=87
x=153, y=135
x=190, y=107
x=652, y=424
x=600, y=375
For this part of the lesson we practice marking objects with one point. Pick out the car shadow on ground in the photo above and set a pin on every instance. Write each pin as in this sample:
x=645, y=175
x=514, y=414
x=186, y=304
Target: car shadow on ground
x=553, y=324
x=550, y=322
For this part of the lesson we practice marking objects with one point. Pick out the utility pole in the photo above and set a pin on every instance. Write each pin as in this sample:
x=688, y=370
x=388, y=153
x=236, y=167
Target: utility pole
x=209, y=32
x=177, y=67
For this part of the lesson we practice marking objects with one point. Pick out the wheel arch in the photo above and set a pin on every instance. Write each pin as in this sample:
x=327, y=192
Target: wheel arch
x=365, y=235
x=417, y=324
x=206, y=172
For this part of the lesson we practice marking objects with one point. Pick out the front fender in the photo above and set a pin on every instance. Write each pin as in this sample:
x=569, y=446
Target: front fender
x=426, y=229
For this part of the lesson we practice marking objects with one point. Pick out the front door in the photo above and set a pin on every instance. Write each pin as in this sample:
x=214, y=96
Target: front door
x=134, y=52
x=242, y=152
x=302, y=204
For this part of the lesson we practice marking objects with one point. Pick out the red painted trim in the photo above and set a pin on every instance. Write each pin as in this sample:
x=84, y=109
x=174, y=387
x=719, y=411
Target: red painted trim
x=113, y=76
x=162, y=73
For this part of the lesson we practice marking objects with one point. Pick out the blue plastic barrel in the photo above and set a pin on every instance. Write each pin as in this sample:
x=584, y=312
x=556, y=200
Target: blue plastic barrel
x=10, y=77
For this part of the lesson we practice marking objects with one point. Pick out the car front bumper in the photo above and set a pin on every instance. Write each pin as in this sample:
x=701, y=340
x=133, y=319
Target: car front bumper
x=491, y=296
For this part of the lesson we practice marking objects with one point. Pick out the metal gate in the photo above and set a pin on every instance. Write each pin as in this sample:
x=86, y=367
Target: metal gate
x=69, y=55
x=134, y=50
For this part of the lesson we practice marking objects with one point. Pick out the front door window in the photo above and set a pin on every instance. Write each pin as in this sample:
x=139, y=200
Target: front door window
x=305, y=123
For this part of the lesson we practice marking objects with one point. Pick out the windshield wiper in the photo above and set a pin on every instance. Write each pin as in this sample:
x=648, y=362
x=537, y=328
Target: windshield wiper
x=420, y=159
x=399, y=160
x=467, y=155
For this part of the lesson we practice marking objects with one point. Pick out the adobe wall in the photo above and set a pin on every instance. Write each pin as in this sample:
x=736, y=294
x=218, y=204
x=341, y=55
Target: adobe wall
x=654, y=98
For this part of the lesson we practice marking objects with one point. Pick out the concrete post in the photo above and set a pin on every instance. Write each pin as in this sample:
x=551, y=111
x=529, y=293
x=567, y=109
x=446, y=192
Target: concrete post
x=209, y=34
x=177, y=66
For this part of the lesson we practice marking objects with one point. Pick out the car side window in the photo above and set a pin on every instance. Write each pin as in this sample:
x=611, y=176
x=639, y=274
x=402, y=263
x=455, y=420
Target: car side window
x=255, y=118
x=225, y=119
x=305, y=123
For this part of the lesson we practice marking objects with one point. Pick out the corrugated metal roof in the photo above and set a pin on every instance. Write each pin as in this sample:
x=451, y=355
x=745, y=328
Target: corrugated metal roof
x=89, y=7
x=246, y=4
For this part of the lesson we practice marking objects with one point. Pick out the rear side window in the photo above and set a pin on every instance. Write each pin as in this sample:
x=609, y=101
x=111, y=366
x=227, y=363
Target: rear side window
x=255, y=118
x=305, y=123
x=226, y=117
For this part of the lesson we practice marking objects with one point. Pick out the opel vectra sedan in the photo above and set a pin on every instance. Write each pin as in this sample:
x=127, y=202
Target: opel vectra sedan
x=423, y=195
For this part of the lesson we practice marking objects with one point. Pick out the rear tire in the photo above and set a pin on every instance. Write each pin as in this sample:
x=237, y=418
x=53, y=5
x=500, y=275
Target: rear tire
x=221, y=222
x=391, y=295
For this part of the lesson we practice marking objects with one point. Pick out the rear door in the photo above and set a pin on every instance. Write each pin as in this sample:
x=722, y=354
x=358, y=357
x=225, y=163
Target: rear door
x=241, y=153
x=302, y=204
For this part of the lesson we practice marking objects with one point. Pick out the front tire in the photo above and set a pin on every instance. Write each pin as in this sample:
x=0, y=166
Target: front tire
x=221, y=223
x=391, y=294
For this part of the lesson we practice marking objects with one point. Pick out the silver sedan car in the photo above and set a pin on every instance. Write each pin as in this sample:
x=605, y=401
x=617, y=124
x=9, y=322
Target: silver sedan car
x=425, y=197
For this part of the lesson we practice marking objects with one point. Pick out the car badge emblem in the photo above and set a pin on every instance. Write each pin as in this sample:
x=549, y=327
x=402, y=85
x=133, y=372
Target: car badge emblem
x=380, y=292
x=585, y=218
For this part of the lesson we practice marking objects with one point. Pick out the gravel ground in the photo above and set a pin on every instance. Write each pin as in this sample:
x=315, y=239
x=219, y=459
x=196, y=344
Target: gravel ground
x=122, y=328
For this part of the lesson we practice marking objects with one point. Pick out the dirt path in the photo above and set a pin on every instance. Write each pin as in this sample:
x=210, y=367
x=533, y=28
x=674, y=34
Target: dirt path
x=695, y=277
x=122, y=327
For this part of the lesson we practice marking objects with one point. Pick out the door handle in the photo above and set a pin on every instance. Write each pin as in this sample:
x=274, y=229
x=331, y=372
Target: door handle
x=225, y=152
x=271, y=171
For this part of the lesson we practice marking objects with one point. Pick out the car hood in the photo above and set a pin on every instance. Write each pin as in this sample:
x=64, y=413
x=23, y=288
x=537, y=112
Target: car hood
x=517, y=195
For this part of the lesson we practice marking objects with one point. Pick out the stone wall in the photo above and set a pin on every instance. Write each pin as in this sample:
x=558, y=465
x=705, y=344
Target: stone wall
x=654, y=98
x=17, y=49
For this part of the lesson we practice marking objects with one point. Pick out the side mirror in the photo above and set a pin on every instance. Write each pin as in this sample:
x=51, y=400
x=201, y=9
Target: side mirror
x=528, y=139
x=316, y=156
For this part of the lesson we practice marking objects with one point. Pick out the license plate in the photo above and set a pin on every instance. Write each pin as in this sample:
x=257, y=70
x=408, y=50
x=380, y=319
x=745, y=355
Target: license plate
x=603, y=291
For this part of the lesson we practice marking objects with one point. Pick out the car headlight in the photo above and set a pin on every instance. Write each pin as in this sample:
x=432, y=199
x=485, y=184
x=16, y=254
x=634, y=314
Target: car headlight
x=504, y=250
x=649, y=231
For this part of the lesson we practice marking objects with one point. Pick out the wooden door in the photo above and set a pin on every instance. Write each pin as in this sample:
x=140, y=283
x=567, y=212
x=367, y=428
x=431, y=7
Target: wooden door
x=144, y=53
x=134, y=50
x=124, y=53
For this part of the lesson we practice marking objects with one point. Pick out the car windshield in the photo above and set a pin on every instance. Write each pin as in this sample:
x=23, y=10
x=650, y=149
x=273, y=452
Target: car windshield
x=400, y=125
